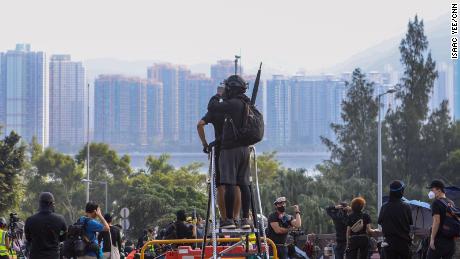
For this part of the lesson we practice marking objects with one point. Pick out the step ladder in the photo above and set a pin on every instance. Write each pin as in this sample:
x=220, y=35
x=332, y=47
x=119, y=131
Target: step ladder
x=258, y=227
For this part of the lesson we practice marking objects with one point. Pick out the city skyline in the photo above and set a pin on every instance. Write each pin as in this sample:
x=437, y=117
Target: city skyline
x=160, y=109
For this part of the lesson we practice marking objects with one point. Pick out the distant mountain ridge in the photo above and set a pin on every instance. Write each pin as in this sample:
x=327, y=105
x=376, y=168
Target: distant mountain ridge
x=373, y=58
x=387, y=52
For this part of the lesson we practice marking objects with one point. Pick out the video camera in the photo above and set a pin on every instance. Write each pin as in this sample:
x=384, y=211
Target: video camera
x=15, y=226
x=285, y=221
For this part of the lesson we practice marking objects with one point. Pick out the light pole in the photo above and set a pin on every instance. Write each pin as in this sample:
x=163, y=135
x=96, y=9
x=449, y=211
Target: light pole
x=87, y=148
x=379, y=153
x=106, y=190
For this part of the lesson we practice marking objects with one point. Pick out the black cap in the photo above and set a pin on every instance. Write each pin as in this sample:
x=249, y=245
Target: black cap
x=46, y=197
x=397, y=186
x=437, y=184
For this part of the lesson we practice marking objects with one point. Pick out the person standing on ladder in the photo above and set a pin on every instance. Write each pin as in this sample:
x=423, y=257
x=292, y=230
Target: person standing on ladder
x=234, y=155
x=217, y=120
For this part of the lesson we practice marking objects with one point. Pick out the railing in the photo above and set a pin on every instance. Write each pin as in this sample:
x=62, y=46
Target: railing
x=195, y=241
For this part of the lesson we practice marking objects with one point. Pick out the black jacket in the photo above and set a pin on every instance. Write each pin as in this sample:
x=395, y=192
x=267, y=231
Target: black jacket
x=339, y=216
x=396, y=218
x=104, y=239
x=44, y=231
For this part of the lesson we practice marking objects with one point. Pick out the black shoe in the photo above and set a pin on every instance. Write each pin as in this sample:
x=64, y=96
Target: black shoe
x=245, y=224
x=228, y=224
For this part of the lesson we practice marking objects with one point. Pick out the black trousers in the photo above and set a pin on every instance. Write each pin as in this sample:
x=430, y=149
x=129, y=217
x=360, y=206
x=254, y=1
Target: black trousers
x=445, y=249
x=282, y=251
x=358, y=248
x=339, y=250
x=397, y=249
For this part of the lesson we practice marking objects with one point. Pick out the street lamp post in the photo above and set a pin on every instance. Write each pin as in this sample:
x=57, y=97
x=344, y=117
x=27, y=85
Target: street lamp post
x=379, y=153
x=87, y=148
x=106, y=190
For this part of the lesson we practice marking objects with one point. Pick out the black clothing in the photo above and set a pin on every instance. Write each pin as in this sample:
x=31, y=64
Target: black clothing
x=398, y=251
x=445, y=249
x=233, y=108
x=339, y=217
x=284, y=222
x=215, y=118
x=339, y=250
x=234, y=166
x=282, y=251
x=396, y=218
x=358, y=248
x=44, y=231
x=358, y=245
x=217, y=121
x=105, y=239
x=355, y=217
x=184, y=231
x=438, y=208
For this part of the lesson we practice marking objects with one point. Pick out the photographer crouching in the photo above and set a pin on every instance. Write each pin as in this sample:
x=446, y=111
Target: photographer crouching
x=339, y=215
x=279, y=225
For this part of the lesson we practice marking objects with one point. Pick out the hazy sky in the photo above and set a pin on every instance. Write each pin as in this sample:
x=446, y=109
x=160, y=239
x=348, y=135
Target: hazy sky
x=283, y=33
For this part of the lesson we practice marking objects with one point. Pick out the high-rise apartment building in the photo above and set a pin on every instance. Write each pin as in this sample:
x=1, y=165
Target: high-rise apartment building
x=170, y=76
x=24, y=93
x=67, y=103
x=121, y=110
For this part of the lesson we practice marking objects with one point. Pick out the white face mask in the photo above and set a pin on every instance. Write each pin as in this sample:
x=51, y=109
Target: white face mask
x=431, y=195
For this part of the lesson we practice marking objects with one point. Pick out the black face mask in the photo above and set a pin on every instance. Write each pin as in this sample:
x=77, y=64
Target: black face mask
x=281, y=209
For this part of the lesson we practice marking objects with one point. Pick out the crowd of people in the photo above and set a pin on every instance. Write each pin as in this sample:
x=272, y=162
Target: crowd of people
x=94, y=236
x=353, y=226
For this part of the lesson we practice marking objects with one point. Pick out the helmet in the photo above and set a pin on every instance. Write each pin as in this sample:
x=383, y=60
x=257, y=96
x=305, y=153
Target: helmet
x=2, y=221
x=235, y=83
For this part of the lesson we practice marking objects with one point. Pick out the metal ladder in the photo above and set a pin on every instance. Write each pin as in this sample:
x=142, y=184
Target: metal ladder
x=258, y=225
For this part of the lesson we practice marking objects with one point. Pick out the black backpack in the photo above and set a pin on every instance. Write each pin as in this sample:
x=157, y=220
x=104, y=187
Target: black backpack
x=451, y=226
x=76, y=243
x=252, y=129
x=171, y=231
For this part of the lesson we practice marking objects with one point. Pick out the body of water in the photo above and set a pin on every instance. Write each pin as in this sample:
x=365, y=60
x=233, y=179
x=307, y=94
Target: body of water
x=307, y=160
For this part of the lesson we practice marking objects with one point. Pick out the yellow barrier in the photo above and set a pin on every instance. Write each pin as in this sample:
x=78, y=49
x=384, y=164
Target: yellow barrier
x=194, y=241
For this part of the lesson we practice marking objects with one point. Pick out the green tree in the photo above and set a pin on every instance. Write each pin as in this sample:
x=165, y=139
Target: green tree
x=448, y=169
x=355, y=148
x=153, y=196
x=436, y=140
x=59, y=174
x=106, y=165
x=405, y=122
x=12, y=161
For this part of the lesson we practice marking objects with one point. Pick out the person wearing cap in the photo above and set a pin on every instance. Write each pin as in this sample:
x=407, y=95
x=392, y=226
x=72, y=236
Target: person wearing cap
x=45, y=230
x=217, y=120
x=279, y=224
x=339, y=215
x=4, y=239
x=234, y=155
x=440, y=245
x=396, y=218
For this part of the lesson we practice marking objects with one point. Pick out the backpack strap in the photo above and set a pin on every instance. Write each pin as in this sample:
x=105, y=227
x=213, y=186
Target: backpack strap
x=85, y=224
